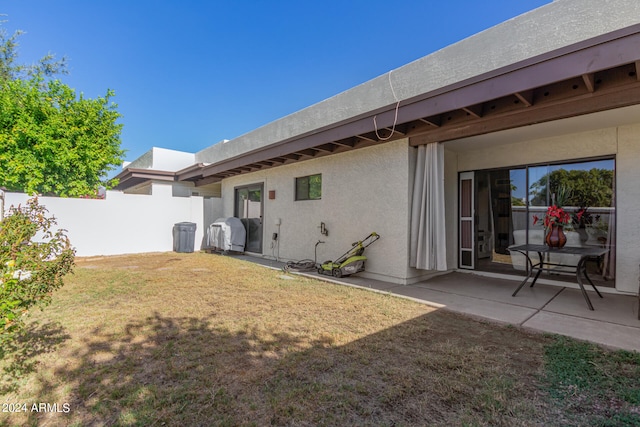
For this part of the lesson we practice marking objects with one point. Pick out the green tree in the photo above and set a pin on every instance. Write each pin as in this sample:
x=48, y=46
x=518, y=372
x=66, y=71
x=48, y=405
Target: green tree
x=575, y=187
x=52, y=141
x=47, y=66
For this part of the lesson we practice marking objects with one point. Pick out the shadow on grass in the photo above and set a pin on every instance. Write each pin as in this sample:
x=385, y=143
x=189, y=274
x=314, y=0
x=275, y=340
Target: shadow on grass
x=19, y=356
x=436, y=369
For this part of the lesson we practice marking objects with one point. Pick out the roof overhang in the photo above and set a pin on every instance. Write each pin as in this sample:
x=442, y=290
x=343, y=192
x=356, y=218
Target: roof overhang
x=130, y=177
x=595, y=75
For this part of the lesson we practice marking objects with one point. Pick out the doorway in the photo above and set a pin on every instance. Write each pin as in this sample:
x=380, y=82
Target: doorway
x=502, y=207
x=249, y=208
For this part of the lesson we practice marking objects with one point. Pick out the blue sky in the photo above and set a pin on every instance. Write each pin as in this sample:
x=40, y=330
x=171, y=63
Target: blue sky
x=189, y=73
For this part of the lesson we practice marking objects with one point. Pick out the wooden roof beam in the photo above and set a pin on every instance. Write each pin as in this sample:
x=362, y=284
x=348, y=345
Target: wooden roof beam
x=241, y=169
x=383, y=134
x=590, y=81
x=209, y=180
x=435, y=121
x=368, y=138
x=526, y=97
x=309, y=152
x=349, y=143
x=224, y=174
x=601, y=100
x=474, y=110
x=327, y=148
x=395, y=130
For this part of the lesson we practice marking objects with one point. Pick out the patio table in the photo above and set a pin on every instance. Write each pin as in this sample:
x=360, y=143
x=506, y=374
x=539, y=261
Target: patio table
x=585, y=254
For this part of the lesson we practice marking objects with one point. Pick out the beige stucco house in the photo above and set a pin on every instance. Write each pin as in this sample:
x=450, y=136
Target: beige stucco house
x=450, y=157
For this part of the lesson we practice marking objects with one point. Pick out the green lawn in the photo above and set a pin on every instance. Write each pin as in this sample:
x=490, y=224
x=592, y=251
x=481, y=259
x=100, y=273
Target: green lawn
x=197, y=339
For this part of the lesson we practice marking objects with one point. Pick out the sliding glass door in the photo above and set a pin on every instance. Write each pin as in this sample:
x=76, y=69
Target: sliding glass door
x=249, y=208
x=500, y=210
x=509, y=205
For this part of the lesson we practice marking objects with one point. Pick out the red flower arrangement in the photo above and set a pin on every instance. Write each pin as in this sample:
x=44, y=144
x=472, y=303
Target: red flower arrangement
x=554, y=216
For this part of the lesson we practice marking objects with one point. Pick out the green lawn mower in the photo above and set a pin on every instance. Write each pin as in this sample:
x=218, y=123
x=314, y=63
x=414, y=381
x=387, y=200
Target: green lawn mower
x=351, y=262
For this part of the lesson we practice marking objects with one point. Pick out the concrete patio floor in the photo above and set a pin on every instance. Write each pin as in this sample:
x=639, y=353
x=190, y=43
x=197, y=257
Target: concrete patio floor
x=546, y=308
x=554, y=309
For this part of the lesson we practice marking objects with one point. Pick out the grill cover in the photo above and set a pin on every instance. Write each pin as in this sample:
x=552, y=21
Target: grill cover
x=227, y=234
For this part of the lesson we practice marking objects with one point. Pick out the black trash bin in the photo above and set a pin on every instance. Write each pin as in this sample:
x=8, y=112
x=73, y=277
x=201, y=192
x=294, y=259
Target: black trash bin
x=184, y=237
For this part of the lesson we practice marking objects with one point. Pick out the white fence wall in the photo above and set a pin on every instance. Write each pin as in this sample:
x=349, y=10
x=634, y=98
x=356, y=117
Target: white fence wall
x=122, y=223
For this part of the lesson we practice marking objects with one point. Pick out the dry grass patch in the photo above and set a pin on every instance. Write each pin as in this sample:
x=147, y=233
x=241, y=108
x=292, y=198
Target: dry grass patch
x=197, y=339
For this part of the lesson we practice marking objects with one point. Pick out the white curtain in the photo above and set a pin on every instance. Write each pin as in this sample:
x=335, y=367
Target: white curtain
x=428, y=237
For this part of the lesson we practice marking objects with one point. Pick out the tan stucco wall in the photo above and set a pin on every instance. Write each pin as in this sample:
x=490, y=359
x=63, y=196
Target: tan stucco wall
x=370, y=190
x=362, y=191
x=628, y=208
x=623, y=142
x=600, y=142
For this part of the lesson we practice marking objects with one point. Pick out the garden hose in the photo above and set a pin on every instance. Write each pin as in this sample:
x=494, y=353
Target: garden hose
x=305, y=264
